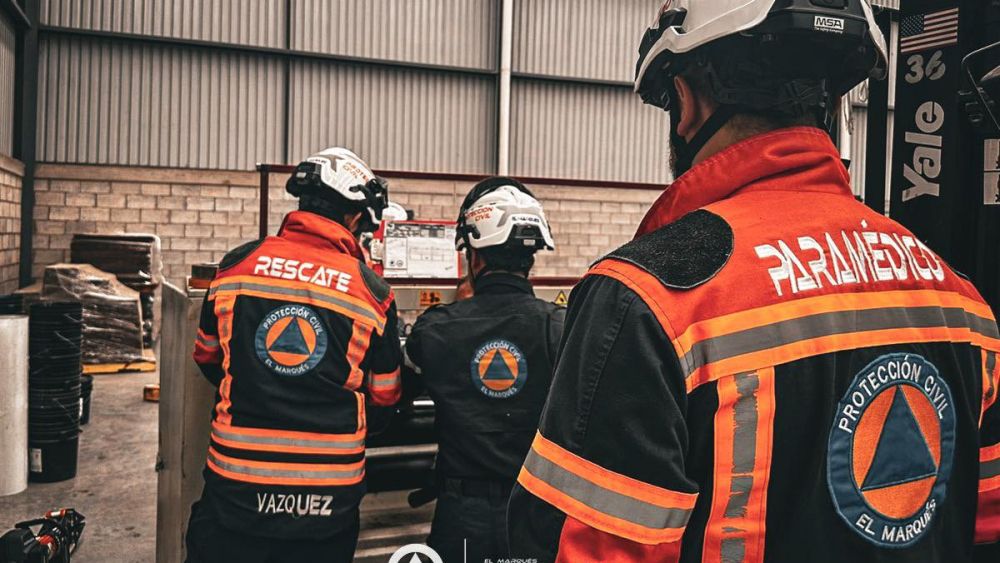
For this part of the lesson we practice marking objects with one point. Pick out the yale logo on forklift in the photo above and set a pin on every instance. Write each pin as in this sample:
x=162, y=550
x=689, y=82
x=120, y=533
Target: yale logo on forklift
x=499, y=369
x=291, y=340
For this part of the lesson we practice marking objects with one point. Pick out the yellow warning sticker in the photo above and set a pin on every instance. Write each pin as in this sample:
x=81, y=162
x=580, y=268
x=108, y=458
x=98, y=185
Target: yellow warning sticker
x=561, y=299
x=430, y=297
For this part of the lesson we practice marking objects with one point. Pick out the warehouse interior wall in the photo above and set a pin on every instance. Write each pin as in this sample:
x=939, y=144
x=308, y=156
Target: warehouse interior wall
x=152, y=113
x=11, y=170
x=11, y=173
x=200, y=214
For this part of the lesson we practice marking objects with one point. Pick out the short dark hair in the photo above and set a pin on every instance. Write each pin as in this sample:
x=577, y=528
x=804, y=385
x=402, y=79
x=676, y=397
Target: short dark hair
x=517, y=261
x=332, y=206
x=747, y=121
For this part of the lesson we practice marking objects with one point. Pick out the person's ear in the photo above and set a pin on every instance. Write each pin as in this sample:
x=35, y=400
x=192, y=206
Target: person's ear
x=694, y=110
x=353, y=221
x=476, y=262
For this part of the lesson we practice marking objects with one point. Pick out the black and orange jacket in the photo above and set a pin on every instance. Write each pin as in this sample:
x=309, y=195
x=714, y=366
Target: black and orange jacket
x=487, y=363
x=298, y=334
x=769, y=372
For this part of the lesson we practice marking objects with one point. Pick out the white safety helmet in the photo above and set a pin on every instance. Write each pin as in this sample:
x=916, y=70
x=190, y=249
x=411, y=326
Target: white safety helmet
x=502, y=212
x=339, y=172
x=843, y=40
x=395, y=212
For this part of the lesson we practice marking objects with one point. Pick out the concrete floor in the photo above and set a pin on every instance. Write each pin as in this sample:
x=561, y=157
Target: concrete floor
x=115, y=484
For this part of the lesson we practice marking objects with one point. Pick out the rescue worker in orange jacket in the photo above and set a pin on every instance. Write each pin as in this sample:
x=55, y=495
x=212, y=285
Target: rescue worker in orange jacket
x=770, y=371
x=299, y=335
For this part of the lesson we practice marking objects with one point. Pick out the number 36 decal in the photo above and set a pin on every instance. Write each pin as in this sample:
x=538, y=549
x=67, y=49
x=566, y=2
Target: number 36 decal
x=932, y=68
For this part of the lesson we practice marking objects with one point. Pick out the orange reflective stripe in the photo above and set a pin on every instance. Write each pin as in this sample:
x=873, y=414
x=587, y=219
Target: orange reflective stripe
x=224, y=312
x=362, y=416
x=603, y=499
x=744, y=426
x=287, y=474
x=989, y=468
x=823, y=345
x=753, y=318
x=646, y=286
x=264, y=288
x=208, y=342
x=991, y=381
x=609, y=479
x=381, y=381
x=594, y=518
x=361, y=334
x=288, y=441
x=289, y=284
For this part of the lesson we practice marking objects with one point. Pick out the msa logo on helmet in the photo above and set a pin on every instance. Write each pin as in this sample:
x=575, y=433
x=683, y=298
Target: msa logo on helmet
x=830, y=24
x=890, y=450
x=499, y=369
x=286, y=269
x=294, y=505
x=291, y=340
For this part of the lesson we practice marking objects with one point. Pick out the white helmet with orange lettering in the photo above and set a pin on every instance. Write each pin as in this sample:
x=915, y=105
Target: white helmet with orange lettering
x=502, y=213
x=339, y=173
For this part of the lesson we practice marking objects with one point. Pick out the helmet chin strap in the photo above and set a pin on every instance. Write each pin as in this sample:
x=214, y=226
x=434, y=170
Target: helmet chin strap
x=687, y=150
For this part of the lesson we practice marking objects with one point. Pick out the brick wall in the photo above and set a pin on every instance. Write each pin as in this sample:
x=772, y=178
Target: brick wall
x=199, y=215
x=11, y=172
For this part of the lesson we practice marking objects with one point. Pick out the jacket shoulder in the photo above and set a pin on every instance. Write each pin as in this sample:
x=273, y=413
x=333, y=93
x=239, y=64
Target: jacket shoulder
x=376, y=284
x=684, y=254
x=238, y=254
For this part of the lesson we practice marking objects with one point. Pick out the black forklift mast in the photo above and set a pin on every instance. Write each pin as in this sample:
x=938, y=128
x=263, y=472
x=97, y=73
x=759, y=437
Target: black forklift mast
x=940, y=184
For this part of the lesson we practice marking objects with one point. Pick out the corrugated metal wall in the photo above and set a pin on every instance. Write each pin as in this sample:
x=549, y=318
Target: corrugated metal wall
x=399, y=119
x=7, y=38
x=455, y=33
x=109, y=102
x=564, y=130
x=243, y=22
x=592, y=39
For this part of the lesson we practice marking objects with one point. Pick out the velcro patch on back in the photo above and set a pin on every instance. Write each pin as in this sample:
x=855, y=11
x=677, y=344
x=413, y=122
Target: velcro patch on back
x=685, y=253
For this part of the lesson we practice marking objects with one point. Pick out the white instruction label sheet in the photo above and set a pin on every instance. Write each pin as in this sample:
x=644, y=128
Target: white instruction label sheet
x=420, y=250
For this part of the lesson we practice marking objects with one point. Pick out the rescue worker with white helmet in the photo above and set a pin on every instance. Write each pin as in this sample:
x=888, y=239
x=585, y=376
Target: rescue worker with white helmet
x=300, y=336
x=487, y=363
x=770, y=371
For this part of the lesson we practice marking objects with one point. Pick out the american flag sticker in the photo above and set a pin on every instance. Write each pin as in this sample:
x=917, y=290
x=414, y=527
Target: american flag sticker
x=928, y=31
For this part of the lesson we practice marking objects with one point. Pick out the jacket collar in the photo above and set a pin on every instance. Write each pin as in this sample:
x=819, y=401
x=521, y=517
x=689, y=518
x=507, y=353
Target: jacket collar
x=796, y=158
x=500, y=283
x=318, y=231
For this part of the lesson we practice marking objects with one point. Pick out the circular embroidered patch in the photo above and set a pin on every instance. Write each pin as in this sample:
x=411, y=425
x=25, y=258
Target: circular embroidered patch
x=890, y=450
x=291, y=340
x=499, y=370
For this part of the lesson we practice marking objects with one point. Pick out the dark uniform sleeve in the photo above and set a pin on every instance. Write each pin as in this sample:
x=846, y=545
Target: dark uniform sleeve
x=557, y=322
x=605, y=477
x=207, y=351
x=413, y=359
x=988, y=512
x=384, y=385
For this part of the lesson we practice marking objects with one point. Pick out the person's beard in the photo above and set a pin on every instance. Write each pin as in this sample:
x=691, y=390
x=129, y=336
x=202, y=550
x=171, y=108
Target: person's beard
x=671, y=157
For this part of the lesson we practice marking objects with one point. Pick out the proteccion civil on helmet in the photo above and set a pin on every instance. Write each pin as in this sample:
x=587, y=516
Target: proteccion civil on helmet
x=502, y=213
x=783, y=57
x=339, y=173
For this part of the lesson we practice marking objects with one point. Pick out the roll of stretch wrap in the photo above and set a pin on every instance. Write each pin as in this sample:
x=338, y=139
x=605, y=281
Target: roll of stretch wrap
x=13, y=404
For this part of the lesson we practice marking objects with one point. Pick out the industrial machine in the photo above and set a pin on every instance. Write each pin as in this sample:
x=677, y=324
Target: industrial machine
x=52, y=538
x=945, y=146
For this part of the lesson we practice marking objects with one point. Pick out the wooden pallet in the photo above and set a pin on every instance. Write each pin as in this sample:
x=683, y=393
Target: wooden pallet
x=148, y=364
